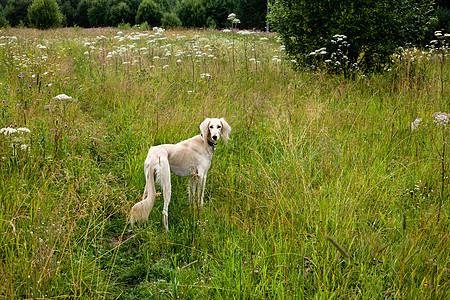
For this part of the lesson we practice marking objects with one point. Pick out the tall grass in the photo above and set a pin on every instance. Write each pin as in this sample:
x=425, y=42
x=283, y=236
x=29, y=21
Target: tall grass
x=323, y=192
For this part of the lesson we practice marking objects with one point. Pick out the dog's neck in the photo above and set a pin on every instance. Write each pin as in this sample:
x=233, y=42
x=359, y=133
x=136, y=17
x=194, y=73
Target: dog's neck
x=210, y=143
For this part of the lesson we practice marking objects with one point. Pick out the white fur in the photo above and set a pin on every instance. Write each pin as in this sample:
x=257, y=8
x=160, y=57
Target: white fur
x=191, y=157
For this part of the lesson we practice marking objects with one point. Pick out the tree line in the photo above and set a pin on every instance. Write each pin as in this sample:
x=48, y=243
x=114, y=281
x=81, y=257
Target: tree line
x=100, y=13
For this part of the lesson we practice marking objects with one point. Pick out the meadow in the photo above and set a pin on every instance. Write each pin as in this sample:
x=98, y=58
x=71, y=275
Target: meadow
x=329, y=188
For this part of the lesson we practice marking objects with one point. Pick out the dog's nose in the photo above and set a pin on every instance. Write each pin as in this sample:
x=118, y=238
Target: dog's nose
x=214, y=137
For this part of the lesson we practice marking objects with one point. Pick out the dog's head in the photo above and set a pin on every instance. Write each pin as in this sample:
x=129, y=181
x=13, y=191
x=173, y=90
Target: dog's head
x=212, y=129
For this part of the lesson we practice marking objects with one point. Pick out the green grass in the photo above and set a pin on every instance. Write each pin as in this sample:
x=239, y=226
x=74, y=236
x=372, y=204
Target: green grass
x=317, y=167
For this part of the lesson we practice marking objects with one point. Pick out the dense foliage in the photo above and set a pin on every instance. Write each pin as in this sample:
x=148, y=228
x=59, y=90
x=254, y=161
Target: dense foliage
x=3, y=20
x=349, y=35
x=149, y=12
x=44, y=14
x=194, y=13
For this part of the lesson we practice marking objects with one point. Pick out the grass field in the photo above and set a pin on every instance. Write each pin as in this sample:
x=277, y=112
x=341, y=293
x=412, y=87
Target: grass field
x=328, y=189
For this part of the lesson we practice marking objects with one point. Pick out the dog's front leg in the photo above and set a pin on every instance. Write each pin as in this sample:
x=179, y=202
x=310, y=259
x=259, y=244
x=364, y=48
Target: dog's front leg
x=201, y=186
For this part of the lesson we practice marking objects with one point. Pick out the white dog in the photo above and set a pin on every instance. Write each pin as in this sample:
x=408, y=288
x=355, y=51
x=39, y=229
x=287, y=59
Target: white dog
x=191, y=157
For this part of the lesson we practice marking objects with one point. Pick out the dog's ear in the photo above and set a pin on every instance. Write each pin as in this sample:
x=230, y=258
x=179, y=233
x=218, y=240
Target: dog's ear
x=226, y=129
x=204, y=129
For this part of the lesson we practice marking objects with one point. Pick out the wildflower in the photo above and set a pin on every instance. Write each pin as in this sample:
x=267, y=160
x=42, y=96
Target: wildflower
x=256, y=272
x=245, y=32
x=441, y=118
x=25, y=147
x=8, y=131
x=231, y=17
x=62, y=97
x=415, y=124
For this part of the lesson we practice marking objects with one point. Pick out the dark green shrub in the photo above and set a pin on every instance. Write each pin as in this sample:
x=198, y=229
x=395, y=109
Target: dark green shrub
x=192, y=13
x=120, y=13
x=16, y=12
x=149, y=12
x=373, y=29
x=44, y=14
x=170, y=20
x=81, y=16
x=98, y=13
x=3, y=21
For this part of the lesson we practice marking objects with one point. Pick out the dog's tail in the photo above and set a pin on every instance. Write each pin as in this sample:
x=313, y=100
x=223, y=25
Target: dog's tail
x=141, y=210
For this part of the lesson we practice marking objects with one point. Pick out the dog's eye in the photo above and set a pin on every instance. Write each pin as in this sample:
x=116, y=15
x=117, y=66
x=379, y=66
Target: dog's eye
x=211, y=127
x=218, y=126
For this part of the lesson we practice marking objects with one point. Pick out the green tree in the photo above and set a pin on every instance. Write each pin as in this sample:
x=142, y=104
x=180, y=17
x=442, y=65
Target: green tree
x=3, y=21
x=81, y=15
x=218, y=11
x=149, y=12
x=373, y=29
x=44, y=14
x=68, y=12
x=170, y=20
x=252, y=13
x=98, y=13
x=120, y=13
x=16, y=12
x=192, y=13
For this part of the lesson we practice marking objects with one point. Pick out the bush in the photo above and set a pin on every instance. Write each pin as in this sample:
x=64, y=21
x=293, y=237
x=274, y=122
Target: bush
x=81, y=16
x=120, y=13
x=98, y=13
x=170, y=20
x=373, y=29
x=3, y=20
x=192, y=13
x=149, y=12
x=44, y=14
x=16, y=12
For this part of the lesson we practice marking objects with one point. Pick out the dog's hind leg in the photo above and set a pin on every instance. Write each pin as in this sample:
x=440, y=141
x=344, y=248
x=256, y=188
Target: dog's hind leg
x=166, y=187
x=192, y=185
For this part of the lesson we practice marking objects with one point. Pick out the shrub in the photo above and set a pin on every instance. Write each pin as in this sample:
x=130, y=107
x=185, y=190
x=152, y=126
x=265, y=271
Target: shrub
x=3, y=20
x=149, y=12
x=374, y=29
x=192, y=13
x=98, y=13
x=81, y=16
x=120, y=13
x=170, y=20
x=44, y=14
x=16, y=11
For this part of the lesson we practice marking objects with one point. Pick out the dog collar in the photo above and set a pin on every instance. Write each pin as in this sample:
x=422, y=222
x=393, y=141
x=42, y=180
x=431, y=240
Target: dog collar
x=211, y=143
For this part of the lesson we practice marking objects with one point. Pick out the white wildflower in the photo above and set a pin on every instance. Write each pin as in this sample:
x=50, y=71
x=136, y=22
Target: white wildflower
x=25, y=147
x=231, y=17
x=23, y=130
x=415, y=124
x=441, y=118
x=8, y=131
x=62, y=97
